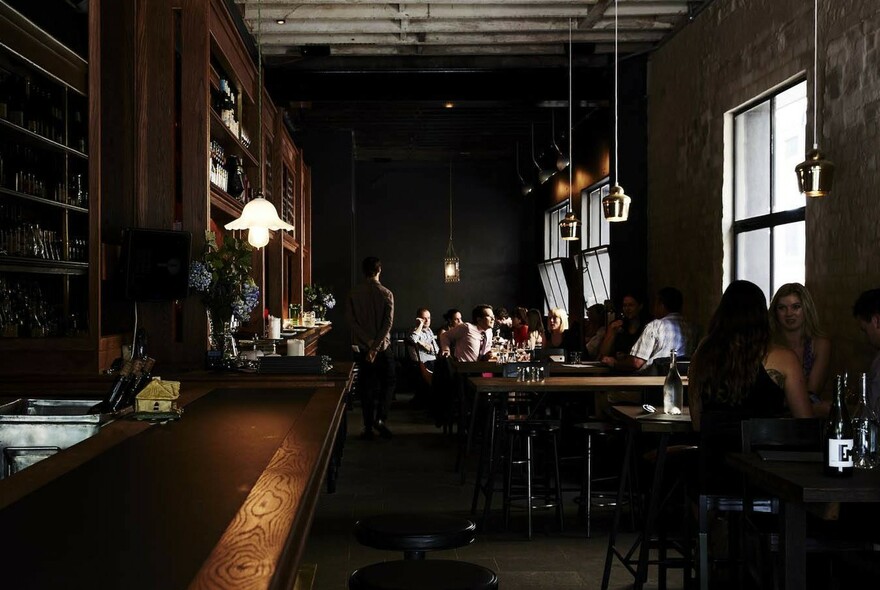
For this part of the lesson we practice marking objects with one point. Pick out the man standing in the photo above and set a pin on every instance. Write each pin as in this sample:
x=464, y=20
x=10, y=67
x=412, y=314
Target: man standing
x=370, y=313
x=867, y=311
x=668, y=332
x=472, y=341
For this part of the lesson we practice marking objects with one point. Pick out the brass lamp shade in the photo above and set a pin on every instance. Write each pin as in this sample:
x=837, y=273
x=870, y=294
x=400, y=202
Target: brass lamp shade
x=570, y=227
x=815, y=174
x=615, y=206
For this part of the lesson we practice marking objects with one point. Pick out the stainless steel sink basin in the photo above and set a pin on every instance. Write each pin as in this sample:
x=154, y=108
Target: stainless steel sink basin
x=33, y=429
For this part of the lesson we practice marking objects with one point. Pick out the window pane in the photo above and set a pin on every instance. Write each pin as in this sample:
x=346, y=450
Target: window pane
x=753, y=258
x=596, y=274
x=752, y=166
x=789, y=254
x=790, y=138
x=554, y=245
x=553, y=281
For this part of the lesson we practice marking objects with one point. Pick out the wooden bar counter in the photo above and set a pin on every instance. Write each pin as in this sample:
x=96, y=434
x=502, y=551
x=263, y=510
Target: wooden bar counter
x=222, y=498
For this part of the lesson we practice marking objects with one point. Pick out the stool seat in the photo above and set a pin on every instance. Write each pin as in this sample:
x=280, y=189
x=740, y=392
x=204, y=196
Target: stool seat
x=415, y=533
x=431, y=574
x=597, y=426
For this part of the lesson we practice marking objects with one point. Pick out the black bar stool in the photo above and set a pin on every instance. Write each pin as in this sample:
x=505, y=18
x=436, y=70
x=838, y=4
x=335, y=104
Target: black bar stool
x=414, y=534
x=522, y=436
x=591, y=429
x=429, y=574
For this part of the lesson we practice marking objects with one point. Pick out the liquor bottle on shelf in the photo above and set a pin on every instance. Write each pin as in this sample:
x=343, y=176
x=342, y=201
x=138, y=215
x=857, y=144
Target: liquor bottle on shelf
x=865, y=430
x=673, y=391
x=838, y=436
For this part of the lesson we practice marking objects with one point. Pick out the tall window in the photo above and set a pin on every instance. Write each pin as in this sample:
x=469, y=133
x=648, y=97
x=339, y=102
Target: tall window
x=769, y=231
x=595, y=261
x=555, y=248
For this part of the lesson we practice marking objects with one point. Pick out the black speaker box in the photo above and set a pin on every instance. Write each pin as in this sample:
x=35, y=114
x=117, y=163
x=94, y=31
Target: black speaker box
x=156, y=264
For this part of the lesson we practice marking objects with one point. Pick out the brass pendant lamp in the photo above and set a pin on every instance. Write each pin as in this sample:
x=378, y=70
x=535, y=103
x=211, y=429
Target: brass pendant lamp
x=570, y=226
x=451, y=266
x=259, y=215
x=615, y=206
x=815, y=174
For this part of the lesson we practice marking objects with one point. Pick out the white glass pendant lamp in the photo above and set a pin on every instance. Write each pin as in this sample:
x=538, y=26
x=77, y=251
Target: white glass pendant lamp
x=259, y=215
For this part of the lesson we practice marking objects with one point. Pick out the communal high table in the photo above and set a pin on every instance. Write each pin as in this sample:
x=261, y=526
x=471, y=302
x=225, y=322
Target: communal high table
x=638, y=421
x=222, y=498
x=797, y=484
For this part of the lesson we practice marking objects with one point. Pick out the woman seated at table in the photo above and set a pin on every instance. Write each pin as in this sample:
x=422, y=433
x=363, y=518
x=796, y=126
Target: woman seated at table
x=738, y=370
x=559, y=334
x=519, y=325
x=452, y=318
x=535, y=323
x=794, y=323
x=738, y=373
x=624, y=331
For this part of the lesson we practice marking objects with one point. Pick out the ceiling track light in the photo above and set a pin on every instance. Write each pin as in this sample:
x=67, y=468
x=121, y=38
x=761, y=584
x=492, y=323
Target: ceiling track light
x=562, y=161
x=615, y=206
x=815, y=174
x=570, y=226
x=525, y=188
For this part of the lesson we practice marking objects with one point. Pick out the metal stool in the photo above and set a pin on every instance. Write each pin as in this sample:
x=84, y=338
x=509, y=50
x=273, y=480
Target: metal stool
x=429, y=574
x=585, y=497
x=414, y=534
x=527, y=432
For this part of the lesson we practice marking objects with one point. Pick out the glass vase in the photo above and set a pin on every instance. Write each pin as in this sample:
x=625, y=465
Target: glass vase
x=221, y=327
x=320, y=312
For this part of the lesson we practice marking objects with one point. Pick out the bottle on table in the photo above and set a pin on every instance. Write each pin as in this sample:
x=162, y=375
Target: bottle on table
x=123, y=378
x=865, y=427
x=673, y=391
x=838, y=436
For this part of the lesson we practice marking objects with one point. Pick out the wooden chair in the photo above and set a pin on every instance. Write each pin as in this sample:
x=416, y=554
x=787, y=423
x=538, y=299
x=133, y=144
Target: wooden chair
x=720, y=490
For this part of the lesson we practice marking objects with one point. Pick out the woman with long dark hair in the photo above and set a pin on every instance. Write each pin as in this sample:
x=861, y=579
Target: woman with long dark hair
x=737, y=369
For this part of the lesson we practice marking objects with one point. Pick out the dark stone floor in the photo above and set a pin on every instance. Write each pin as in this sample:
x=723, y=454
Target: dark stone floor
x=413, y=472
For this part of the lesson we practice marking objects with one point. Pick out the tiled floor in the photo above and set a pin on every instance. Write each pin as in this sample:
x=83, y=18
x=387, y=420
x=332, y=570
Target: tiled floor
x=413, y=472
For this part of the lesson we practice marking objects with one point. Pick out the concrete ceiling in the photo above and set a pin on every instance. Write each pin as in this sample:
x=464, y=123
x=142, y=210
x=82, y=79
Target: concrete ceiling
x=387, y=70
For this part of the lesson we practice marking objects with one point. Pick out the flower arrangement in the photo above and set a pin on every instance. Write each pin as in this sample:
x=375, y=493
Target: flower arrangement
x=319, y=298
x=223, y=277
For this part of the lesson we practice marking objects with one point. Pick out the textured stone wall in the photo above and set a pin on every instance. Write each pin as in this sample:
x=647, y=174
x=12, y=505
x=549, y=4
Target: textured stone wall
x=734, y=51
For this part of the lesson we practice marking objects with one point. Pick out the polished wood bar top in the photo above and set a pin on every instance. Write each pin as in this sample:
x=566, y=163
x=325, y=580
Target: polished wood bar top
x=222, y=498
x=569, y=383
x=801, y=481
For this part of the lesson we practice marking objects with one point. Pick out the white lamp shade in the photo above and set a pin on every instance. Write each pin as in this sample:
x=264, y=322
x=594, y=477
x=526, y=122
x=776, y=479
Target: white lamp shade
x=259, y=213
x=258, y=237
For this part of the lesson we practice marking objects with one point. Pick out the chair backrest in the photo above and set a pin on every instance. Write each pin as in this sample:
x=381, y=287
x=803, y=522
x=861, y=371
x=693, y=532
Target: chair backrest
x=784, y=434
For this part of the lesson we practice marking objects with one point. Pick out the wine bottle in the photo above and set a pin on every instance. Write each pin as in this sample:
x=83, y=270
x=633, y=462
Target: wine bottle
x=865, y=426
x=673, y=391
x=116, y=390
x=838, y=437
x=141, y=382
x=137, y=367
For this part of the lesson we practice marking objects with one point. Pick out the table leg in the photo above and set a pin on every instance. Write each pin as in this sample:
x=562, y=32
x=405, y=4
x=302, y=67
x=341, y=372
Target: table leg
x=653, y=508
x=793, y=550
x=615, y=524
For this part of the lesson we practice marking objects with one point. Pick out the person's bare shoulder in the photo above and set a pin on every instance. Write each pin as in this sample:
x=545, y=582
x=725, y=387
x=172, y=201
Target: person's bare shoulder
x=782, y=359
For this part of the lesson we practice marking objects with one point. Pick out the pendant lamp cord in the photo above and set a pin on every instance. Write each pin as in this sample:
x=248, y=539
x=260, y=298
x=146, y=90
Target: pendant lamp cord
x=570, y=108
x=616, y=170
x=260, y=98
x=815, y=70
x=450, y=204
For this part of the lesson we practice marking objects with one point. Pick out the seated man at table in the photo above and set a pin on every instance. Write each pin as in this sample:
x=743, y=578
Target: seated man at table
x=867, y=311
x=472, y=341
x=668, y=332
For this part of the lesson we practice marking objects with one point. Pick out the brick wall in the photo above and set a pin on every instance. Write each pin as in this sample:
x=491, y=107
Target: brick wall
x=734, y=51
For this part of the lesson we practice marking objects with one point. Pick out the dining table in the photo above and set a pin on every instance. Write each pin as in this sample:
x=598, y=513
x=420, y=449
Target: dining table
x=797, y=484
x=640, y=421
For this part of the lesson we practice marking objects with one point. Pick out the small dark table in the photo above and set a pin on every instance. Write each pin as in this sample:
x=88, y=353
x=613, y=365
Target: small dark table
x=797, y=484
